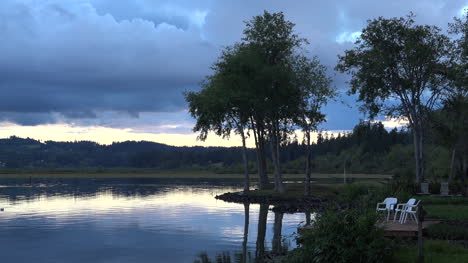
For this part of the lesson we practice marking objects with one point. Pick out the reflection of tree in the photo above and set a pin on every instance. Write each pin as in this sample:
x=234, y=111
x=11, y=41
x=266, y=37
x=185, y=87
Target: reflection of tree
x=224, y=257
x=307, y=214
x=243, y=257
x=262, y=224
x=276, y=243
x=83, y=187
x=246, y=232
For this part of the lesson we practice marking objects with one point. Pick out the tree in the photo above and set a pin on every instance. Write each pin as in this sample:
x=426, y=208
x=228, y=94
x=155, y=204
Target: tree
x=221, y=106
x=399, y=68
x=456, y=101
x=459, y=66
x=314, y=83
x=451, y=125
x=278, y=100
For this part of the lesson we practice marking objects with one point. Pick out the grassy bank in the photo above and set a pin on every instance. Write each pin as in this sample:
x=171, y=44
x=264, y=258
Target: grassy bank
x=434, y=251
x=152, y=173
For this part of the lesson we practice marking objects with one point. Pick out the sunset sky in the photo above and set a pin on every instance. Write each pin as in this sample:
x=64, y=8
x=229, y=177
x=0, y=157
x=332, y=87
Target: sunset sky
x=107, y=70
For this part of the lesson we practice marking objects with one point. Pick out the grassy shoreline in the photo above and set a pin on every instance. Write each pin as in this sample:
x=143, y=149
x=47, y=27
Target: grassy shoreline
x=152, y=173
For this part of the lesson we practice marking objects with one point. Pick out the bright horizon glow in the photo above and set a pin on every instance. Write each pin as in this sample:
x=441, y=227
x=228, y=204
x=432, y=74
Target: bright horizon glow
x=106, y=135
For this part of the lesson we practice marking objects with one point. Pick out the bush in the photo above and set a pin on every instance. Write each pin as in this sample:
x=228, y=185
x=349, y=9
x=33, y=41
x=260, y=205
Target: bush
x=342, y=236
x=365, y=196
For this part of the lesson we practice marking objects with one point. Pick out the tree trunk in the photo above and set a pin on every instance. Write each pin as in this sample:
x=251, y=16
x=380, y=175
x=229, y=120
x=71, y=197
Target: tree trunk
x=279, y=187
x=276, y=242
x=418, y=153
x=260, y=152
x=465, y=172
x=264, y=182
x=308, y=164
x=452, y=164
x=308, y=217
x=465, y=166
x=246, y=162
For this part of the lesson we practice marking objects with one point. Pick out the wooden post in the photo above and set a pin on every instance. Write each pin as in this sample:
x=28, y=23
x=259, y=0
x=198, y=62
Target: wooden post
x=420, y=233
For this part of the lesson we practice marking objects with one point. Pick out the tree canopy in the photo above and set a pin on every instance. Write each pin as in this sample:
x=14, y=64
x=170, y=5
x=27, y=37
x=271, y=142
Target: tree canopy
x=398, y=68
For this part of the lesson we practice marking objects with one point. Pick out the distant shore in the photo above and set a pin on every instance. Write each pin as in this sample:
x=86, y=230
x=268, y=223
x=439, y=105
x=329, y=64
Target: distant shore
x=153, y=173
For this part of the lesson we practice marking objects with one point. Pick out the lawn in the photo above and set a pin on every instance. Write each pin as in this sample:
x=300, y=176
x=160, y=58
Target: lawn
x=451, y=212
x=443, y=200
x=434, y=252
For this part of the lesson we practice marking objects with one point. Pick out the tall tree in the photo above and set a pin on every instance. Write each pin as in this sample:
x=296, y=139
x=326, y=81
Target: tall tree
x=451, y=129
x=220, y=106
x=277, y=99
x=316, y=89
x=398, y=68
x=232, y=99
x=453, y=118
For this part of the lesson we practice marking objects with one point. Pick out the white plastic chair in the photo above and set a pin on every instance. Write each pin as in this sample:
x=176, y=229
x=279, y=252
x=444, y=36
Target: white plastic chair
x=410, y=209
x=389, y=203
x=401, y=207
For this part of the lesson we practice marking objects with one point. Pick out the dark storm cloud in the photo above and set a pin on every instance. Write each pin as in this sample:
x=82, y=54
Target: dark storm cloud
x=75, y=60
x=64, y=57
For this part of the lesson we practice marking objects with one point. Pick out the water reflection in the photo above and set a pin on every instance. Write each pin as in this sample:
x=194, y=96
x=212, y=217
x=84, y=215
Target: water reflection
x=279, y=247
x=246, y=232
x=277, y=240
x=138, y=222
x=262, y=225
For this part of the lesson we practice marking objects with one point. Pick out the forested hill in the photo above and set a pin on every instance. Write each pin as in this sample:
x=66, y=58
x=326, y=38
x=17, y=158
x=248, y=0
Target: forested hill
x=369, y=148
x=17, y=152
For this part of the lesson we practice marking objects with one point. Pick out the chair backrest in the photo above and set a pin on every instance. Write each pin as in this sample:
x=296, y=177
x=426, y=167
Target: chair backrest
x=414, y=206
x=390, y=202
x=411, y=201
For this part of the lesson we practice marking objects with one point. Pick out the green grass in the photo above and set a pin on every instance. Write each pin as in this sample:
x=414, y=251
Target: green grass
x=451, y=212
x=438, y=200
x=434, y=252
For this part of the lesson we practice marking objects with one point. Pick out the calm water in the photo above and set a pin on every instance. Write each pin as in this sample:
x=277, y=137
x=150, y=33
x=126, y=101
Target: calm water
x=134, y=221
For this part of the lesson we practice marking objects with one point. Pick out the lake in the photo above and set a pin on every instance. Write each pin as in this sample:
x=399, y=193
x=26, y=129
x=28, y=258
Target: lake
x=135, y=220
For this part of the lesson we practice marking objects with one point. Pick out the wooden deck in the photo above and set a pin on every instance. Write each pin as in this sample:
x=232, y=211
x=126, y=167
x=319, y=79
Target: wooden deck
x=391, y=229
x=409, y=229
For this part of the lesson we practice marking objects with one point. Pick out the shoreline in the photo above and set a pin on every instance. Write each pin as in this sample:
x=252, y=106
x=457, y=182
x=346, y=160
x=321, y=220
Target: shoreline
x=175, y=174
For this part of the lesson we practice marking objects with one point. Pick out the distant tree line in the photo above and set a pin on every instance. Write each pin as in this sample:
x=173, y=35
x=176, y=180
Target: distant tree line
x=368, y=148
x=18, y=152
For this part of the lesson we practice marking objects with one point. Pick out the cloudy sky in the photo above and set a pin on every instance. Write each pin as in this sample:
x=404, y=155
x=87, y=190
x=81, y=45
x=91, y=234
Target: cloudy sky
x=108, y=70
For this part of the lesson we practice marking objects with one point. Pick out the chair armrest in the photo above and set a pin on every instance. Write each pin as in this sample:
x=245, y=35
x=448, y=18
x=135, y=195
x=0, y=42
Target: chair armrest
x=400, y=206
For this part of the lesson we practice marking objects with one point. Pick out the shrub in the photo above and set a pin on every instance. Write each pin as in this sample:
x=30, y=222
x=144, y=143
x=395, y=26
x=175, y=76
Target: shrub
x=342, y=236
